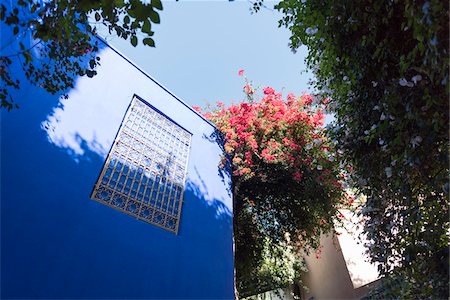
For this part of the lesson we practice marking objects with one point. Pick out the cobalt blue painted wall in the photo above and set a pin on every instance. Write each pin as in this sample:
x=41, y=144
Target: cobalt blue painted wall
x=57, y=243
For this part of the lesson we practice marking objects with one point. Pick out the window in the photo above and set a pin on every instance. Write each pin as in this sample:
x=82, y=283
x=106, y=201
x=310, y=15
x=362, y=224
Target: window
x=145, y=171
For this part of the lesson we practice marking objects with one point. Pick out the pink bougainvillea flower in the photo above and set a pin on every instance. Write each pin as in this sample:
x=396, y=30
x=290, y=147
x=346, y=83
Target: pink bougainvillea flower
x=319, y=118
x=197, y=108
x=308, y=99
x=351, y=200
x=241, y=73
x=248, y=89
x=268, y=91
x=290, y=98
x=325, y=101
x=297, y=176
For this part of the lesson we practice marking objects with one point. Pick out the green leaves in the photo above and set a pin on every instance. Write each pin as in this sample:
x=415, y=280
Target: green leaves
x=380, y=65
x=62, y=30
x=90, y=73
x=92, y=63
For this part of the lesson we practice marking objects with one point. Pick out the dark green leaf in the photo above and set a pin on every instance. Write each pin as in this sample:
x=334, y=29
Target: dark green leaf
x=119, y=3
x=27, y=56
x=135, y=24
x=132, y=13
x=154, y=16
x=146, y=27
x=134, y=41
x=157, y=4
x=90, y=73
x=149, y=42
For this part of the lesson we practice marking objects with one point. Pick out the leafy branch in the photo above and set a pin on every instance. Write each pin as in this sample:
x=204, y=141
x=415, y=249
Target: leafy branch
x=61, y=32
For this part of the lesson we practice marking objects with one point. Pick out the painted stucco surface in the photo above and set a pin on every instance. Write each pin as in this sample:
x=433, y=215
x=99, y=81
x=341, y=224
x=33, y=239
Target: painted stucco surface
x=57, y=243
x=328, y=276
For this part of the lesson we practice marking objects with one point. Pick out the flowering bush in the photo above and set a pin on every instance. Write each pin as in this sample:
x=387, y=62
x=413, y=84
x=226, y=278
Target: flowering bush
x=287, y=184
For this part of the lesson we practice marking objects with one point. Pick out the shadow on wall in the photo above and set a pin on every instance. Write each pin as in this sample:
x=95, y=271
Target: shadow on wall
x=57, y=243
x=216, y=208
x=357, y=278
x=224, y=170
x=222, y=210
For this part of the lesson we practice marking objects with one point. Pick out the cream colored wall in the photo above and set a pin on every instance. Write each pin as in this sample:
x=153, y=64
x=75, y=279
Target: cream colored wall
x=341, y=272
x=328, y=277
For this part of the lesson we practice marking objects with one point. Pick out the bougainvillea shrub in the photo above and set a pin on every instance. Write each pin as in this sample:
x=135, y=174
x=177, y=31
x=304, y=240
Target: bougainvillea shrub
x=287, y=184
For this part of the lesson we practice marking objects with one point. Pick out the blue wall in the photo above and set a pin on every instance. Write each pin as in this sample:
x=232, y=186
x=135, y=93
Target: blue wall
x=57, y=243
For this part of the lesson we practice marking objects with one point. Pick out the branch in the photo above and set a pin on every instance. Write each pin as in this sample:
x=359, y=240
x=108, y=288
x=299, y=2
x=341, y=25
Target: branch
x=23, y=51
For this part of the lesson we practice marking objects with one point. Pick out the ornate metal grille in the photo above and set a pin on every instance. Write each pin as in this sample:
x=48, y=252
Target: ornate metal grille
x=145, y=171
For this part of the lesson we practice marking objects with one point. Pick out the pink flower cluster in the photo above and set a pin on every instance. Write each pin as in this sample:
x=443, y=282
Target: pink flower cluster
x=283, y=136
x=276, y=131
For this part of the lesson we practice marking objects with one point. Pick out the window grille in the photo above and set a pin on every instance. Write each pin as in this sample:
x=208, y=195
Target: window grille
x=144, y=173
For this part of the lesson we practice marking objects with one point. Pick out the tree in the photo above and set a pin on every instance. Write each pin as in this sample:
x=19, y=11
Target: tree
x=287, y=185
x=384, y=66
x=63, y=44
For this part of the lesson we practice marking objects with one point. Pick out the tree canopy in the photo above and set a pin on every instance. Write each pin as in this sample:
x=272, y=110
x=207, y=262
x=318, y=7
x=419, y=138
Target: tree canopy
x=62, y=39
x=287, y=185
x=384, y=66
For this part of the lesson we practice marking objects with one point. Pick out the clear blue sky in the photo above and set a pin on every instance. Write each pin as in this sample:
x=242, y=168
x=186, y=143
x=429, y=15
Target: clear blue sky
x=201, y=45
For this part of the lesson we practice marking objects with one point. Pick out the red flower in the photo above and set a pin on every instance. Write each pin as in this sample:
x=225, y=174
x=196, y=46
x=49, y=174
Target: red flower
x=241, y=73
x=248, y=89
x=290, y=98
x=318, y=118
x=197, y=108
x=248, y=158
x=307, y=99
x=268, y=91
x=297, y=176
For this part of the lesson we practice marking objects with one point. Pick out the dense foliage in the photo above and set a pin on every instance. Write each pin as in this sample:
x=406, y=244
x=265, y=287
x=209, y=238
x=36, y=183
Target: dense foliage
x=384, y=66
x=63, y=45
x=287, y=185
